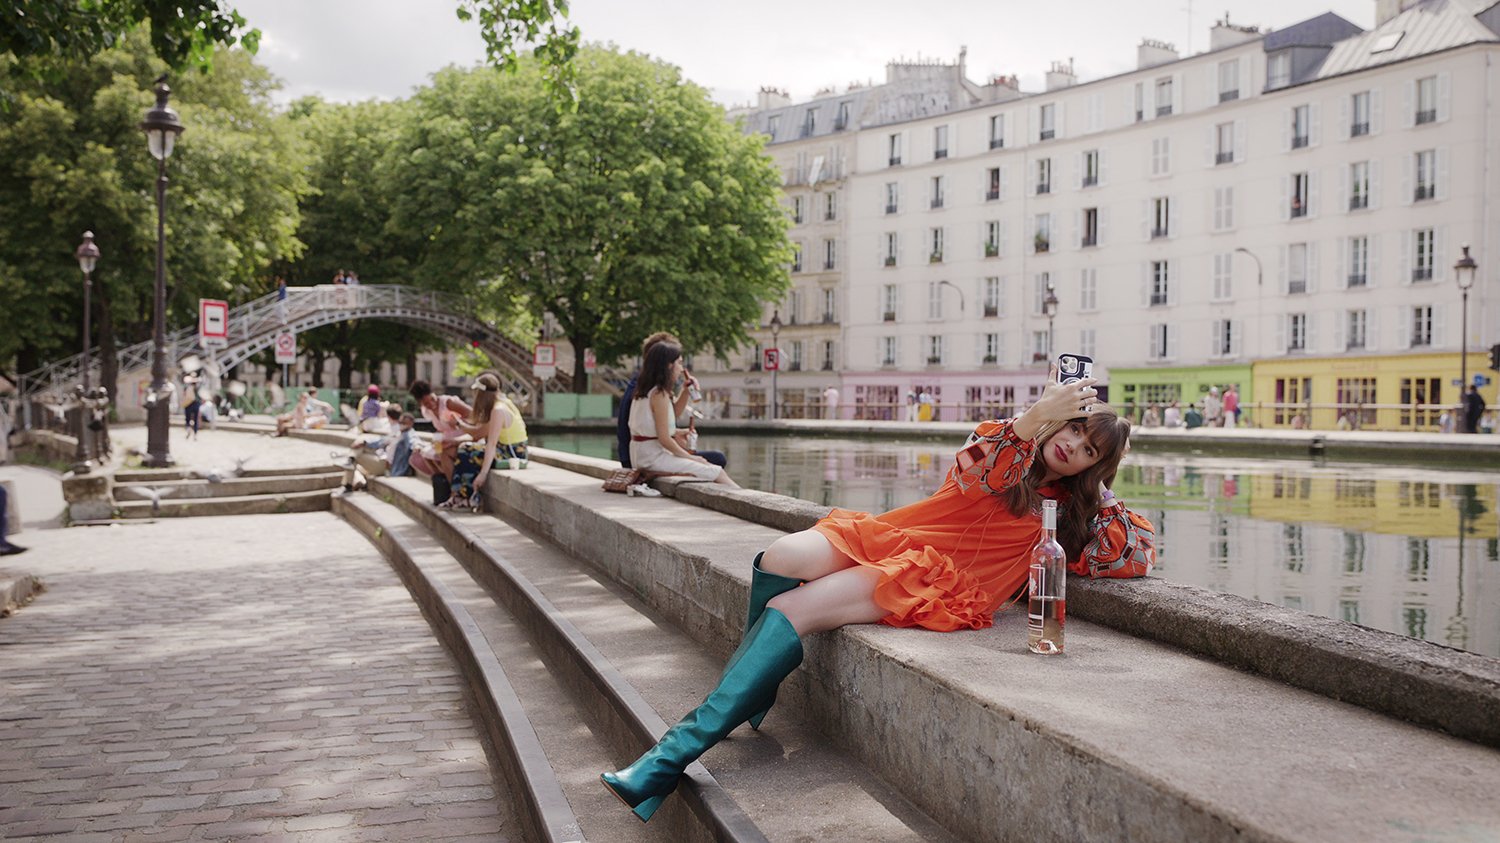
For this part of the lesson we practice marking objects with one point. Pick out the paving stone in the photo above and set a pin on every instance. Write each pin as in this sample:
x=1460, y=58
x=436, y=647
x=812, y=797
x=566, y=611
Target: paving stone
x=275, y=688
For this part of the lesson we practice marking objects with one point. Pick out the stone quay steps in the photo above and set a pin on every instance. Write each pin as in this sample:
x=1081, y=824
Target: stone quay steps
x=229, y=488
x=1123, y=738
x=470, y=636
x=312, y=501
x=148, y=476
x=792, y=782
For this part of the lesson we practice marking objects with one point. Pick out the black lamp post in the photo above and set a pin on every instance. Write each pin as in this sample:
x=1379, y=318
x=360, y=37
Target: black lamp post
x=1464, y=271
x=775, y=332
x=88, y=255
x=1049, y=307
x=162, y=128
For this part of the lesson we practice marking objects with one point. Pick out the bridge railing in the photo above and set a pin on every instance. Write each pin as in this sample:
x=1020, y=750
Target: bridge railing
x=254, y=324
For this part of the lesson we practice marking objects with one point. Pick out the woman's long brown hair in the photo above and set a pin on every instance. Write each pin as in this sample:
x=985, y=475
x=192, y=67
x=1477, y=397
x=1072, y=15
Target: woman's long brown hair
x=484, y=399
x=1110, y=436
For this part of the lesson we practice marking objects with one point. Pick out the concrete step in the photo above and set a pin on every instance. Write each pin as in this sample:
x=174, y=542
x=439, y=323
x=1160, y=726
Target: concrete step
x=1122, y=738
x=524, y=772
x=163, y=475
x=233, y=487
x=313, y=501
x=791, y=782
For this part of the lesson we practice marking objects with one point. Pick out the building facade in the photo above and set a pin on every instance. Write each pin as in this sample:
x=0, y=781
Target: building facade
x=1281, y=213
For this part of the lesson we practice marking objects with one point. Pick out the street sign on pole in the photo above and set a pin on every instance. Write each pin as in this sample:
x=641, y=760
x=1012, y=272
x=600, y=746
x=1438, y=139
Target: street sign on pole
x=286, y=347
x=213, y=323
x=543, y=360
x=590, y=363
x=772, y=359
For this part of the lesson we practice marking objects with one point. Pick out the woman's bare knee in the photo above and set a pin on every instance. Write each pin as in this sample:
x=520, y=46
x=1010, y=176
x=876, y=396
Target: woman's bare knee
x=845, y=597
x=806, y=555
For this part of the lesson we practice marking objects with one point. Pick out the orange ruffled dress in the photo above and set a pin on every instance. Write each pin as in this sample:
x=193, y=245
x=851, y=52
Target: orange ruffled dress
x=950, y=560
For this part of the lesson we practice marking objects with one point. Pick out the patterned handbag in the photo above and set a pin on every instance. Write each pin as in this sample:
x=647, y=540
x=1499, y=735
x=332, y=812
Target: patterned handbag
x=621, y=479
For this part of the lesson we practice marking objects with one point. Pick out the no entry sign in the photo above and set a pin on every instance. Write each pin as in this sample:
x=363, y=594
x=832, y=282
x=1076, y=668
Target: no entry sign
x=213, y=323
x=286, y=347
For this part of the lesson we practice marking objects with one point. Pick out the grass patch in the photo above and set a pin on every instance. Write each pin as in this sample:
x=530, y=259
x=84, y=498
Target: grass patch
x=39, y=458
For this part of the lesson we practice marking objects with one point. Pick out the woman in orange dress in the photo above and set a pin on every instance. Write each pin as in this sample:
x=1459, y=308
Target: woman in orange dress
x=944, y=563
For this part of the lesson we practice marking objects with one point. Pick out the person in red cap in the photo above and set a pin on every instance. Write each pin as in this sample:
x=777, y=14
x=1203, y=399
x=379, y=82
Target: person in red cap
x=372, y=412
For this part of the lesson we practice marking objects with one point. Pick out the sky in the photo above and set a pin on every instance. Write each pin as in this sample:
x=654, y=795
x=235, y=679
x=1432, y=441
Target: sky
x=351, y=50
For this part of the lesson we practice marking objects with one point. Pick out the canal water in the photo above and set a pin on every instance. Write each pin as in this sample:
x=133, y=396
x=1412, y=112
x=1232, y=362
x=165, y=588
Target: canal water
x=1406, y=549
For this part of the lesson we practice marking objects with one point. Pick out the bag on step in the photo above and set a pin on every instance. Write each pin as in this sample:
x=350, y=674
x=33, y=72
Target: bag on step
x=621, y=479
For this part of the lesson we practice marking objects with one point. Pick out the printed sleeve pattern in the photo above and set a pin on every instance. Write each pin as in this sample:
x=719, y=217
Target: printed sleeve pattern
x=992, y=460
x=1124, y=545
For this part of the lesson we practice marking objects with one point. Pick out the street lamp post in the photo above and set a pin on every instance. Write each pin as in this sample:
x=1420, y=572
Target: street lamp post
x=88, y=255
x=1049, y=307
x=1464, y=272
x=1258, y=278
x=162, y=128
x=956, y=289
x=776, y=348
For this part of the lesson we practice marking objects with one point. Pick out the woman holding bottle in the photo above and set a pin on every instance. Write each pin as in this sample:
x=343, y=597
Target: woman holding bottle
x=653, y=420
x=944, y=563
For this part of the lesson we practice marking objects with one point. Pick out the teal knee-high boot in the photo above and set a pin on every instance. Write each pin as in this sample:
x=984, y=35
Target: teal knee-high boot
x=770, y=653
x=763, y=587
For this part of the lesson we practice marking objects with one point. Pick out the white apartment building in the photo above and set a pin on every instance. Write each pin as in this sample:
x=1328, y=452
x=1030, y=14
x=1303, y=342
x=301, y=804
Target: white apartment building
x=1281, y=212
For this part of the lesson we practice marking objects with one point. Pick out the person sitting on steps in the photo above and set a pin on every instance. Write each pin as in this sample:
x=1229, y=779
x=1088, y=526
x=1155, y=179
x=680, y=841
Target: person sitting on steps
x=944, y=563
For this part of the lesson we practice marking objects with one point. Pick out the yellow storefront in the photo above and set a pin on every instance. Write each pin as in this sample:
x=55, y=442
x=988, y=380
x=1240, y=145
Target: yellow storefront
x=1393, y=392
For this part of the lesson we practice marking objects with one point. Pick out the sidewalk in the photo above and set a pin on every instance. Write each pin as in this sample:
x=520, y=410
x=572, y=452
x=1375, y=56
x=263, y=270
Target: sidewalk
x=189, y=679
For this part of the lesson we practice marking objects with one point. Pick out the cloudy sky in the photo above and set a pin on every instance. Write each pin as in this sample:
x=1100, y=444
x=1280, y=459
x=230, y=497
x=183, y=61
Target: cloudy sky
x=349, y=50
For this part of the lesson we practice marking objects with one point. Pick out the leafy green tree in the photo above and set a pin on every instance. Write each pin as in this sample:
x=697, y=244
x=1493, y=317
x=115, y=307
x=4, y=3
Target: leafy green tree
x=76, y=160
x=185, y=32
x=643, y=210
x=182, y=31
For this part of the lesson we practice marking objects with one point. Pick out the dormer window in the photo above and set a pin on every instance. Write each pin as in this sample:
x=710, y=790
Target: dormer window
x=1279, y=71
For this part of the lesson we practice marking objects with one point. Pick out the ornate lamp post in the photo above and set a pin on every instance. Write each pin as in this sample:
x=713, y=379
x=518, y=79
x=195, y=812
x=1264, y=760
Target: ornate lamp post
x=88, y=255
x=1049, y=308
x=775, y=332
x=162, y=128
x=1464, y=271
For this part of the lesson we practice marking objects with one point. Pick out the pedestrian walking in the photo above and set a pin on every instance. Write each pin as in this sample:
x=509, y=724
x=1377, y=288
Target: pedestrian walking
x=191, y=401
x=1213, y=408
x=1473, y=409
x=281, y=299
x=831, y=402
x=1231, y=407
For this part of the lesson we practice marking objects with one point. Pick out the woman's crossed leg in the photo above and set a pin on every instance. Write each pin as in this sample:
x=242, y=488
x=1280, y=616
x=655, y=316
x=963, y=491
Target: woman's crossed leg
x=837, y=591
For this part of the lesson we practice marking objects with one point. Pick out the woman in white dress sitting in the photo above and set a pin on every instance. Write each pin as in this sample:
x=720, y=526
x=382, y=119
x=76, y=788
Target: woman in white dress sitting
x=653, y=447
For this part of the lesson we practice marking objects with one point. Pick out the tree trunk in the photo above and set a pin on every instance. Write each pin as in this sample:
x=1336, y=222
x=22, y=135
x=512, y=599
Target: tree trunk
x=411, y=367
x=345, y=356
x=580, y=378
x=317, y=358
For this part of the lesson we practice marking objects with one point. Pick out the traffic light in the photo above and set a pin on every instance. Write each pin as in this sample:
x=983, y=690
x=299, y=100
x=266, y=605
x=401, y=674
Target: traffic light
x=1495, y=357
x=476, y=337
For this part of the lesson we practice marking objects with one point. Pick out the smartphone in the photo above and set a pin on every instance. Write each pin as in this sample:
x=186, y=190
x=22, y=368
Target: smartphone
x=1074, y=367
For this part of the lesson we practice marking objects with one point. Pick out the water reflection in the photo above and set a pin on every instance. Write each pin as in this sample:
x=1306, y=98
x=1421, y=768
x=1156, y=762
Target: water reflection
x=1411, y=550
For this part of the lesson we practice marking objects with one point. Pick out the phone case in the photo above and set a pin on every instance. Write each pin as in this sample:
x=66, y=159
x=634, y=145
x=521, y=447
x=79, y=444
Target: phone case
x=1074, y=367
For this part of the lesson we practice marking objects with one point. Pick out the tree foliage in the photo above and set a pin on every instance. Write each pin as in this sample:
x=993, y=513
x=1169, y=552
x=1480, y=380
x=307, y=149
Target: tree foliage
x=182, y=32
x=507, y=24
x=75, y=160
x=643, y=210
x=186, y=32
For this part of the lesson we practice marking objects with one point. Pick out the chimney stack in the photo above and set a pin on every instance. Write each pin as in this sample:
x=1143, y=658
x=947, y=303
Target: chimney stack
x=1152, y=52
